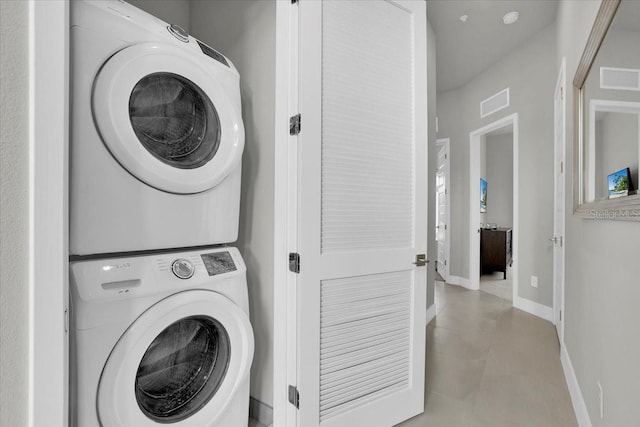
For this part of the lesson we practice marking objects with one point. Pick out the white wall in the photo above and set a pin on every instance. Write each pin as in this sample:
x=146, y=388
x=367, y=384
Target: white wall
x=602, y=280
x=500, y=179
x=530, y=73
x=170, y=11
x=14, y=213
x=245, y=32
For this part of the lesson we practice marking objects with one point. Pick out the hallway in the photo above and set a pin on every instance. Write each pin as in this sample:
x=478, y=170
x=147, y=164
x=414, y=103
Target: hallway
x=489, y=364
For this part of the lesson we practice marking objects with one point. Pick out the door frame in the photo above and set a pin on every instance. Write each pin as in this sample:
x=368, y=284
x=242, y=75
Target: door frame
x=48, y=212
x=474, y=198
x=558, y=288
x=446, y=142
x=285, y=215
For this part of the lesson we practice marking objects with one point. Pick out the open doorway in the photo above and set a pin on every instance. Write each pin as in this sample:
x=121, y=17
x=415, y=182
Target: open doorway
x=442, y=204
x=494, y=205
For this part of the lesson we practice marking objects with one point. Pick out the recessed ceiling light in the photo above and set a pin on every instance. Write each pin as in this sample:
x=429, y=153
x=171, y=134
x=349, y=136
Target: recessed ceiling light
x=510, y=18
x=464, y=18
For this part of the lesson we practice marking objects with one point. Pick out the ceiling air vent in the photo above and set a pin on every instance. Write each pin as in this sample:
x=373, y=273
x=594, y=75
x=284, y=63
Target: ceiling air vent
x=494, y=103
x=619, y=78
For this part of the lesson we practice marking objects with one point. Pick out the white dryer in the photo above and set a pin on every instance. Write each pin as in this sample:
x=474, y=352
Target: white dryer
x=161, y=339
x=156, y=134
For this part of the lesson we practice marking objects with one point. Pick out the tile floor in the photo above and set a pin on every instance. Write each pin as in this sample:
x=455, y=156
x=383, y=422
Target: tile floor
x=496, y=284
x=489, y=364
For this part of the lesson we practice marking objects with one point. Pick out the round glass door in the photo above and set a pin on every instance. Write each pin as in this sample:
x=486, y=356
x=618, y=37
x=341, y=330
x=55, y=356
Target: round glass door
x=182, y=369
x=174, y=120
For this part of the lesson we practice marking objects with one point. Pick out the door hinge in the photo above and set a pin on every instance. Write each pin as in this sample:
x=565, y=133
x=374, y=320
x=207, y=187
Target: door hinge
x=446, y=191
x=561, y=315
x=445, y=156
x=562, y=93
x=445, y=226
x=294, y=124
x=294, y=262
x=294, y=396
x=561, y=241
x=445, y=262
x=561, y=167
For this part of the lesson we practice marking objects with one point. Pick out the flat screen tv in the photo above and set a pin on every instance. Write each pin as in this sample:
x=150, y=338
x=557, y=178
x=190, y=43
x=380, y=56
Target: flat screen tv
x=620, y=183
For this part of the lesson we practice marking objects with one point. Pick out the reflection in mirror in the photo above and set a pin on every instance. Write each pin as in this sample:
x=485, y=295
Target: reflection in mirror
x=611, y=106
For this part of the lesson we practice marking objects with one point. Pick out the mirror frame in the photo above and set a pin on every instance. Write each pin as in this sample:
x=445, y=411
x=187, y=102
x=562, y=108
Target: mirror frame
x=624, y=208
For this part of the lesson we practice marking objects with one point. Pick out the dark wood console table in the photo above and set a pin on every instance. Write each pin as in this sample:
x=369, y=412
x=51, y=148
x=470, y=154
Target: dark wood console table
x=496, y=250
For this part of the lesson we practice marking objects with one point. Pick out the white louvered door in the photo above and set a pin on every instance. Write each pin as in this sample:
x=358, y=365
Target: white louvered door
x=362, y=212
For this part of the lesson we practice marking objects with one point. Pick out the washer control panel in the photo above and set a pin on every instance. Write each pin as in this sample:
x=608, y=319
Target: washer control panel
x=183, y=268
x=218, y=263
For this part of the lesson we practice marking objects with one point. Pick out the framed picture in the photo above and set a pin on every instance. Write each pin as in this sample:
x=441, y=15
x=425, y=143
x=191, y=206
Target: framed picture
x=483, y=196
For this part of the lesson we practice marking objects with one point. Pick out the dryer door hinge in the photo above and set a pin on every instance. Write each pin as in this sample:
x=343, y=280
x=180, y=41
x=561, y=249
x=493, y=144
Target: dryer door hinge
x=294, y=124
x=294, y=396
x=294, y=262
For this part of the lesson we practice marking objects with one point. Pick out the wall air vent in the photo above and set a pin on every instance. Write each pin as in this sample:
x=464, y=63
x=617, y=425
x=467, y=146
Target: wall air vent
x=619, y=78
x=494, y=103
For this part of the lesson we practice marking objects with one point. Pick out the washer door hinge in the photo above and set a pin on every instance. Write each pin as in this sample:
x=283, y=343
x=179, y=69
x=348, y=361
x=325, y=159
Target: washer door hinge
x=294, y=262
x=294, y=396
x=294, y=124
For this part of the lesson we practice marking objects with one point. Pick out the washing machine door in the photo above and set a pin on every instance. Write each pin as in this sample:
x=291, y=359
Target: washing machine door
x=166, y=119
x=180, y=363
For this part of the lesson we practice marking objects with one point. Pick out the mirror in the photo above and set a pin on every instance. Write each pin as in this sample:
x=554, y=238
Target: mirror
x=607, y=101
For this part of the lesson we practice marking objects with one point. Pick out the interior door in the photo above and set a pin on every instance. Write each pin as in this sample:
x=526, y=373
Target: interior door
x=362, y=209
x=559, y=208
x=441, y=207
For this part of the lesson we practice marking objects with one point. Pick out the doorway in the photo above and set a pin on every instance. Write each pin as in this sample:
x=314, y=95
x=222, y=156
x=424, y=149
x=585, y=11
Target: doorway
x=479, y=220
x=443, y=207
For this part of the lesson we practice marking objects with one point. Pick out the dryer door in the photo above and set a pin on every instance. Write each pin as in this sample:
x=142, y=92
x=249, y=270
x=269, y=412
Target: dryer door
x=180, y=363
x=166, y=119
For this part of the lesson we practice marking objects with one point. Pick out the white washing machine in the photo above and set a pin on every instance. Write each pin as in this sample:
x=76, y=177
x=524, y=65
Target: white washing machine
x=161, y=339
x=156, y=134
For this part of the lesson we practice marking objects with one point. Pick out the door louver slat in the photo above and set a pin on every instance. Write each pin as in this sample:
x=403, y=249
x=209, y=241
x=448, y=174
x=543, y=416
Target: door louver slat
x=365, y=339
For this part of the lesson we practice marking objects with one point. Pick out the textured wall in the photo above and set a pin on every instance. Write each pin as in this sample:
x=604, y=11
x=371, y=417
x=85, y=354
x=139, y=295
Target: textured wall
x=601, y=284
x=14, y=212
x=245, y=32
x=530, y=73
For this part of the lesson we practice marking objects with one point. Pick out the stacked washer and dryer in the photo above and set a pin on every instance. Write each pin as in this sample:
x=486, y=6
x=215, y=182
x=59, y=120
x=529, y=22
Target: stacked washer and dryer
x=159, y=308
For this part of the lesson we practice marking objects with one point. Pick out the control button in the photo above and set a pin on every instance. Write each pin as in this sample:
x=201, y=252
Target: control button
x=183, y=268
x=178, y=32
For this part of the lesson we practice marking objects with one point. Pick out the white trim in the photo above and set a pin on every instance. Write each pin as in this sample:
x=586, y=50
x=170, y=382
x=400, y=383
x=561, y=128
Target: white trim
x=483, y=115
x=474, y=200
x=48, y=212
x=447, y=232
x=431, y=313
x=284, y=319
x=579, y=406
x=543, y=311
x=459, y=281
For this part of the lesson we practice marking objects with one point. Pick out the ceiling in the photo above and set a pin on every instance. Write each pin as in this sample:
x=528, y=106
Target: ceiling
x=465, y=49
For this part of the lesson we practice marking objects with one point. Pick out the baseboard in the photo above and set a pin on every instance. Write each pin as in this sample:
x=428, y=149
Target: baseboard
x=431, y=313
x=579, y=407
x=459, y=281
x=532, y=307
x=261, y=412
